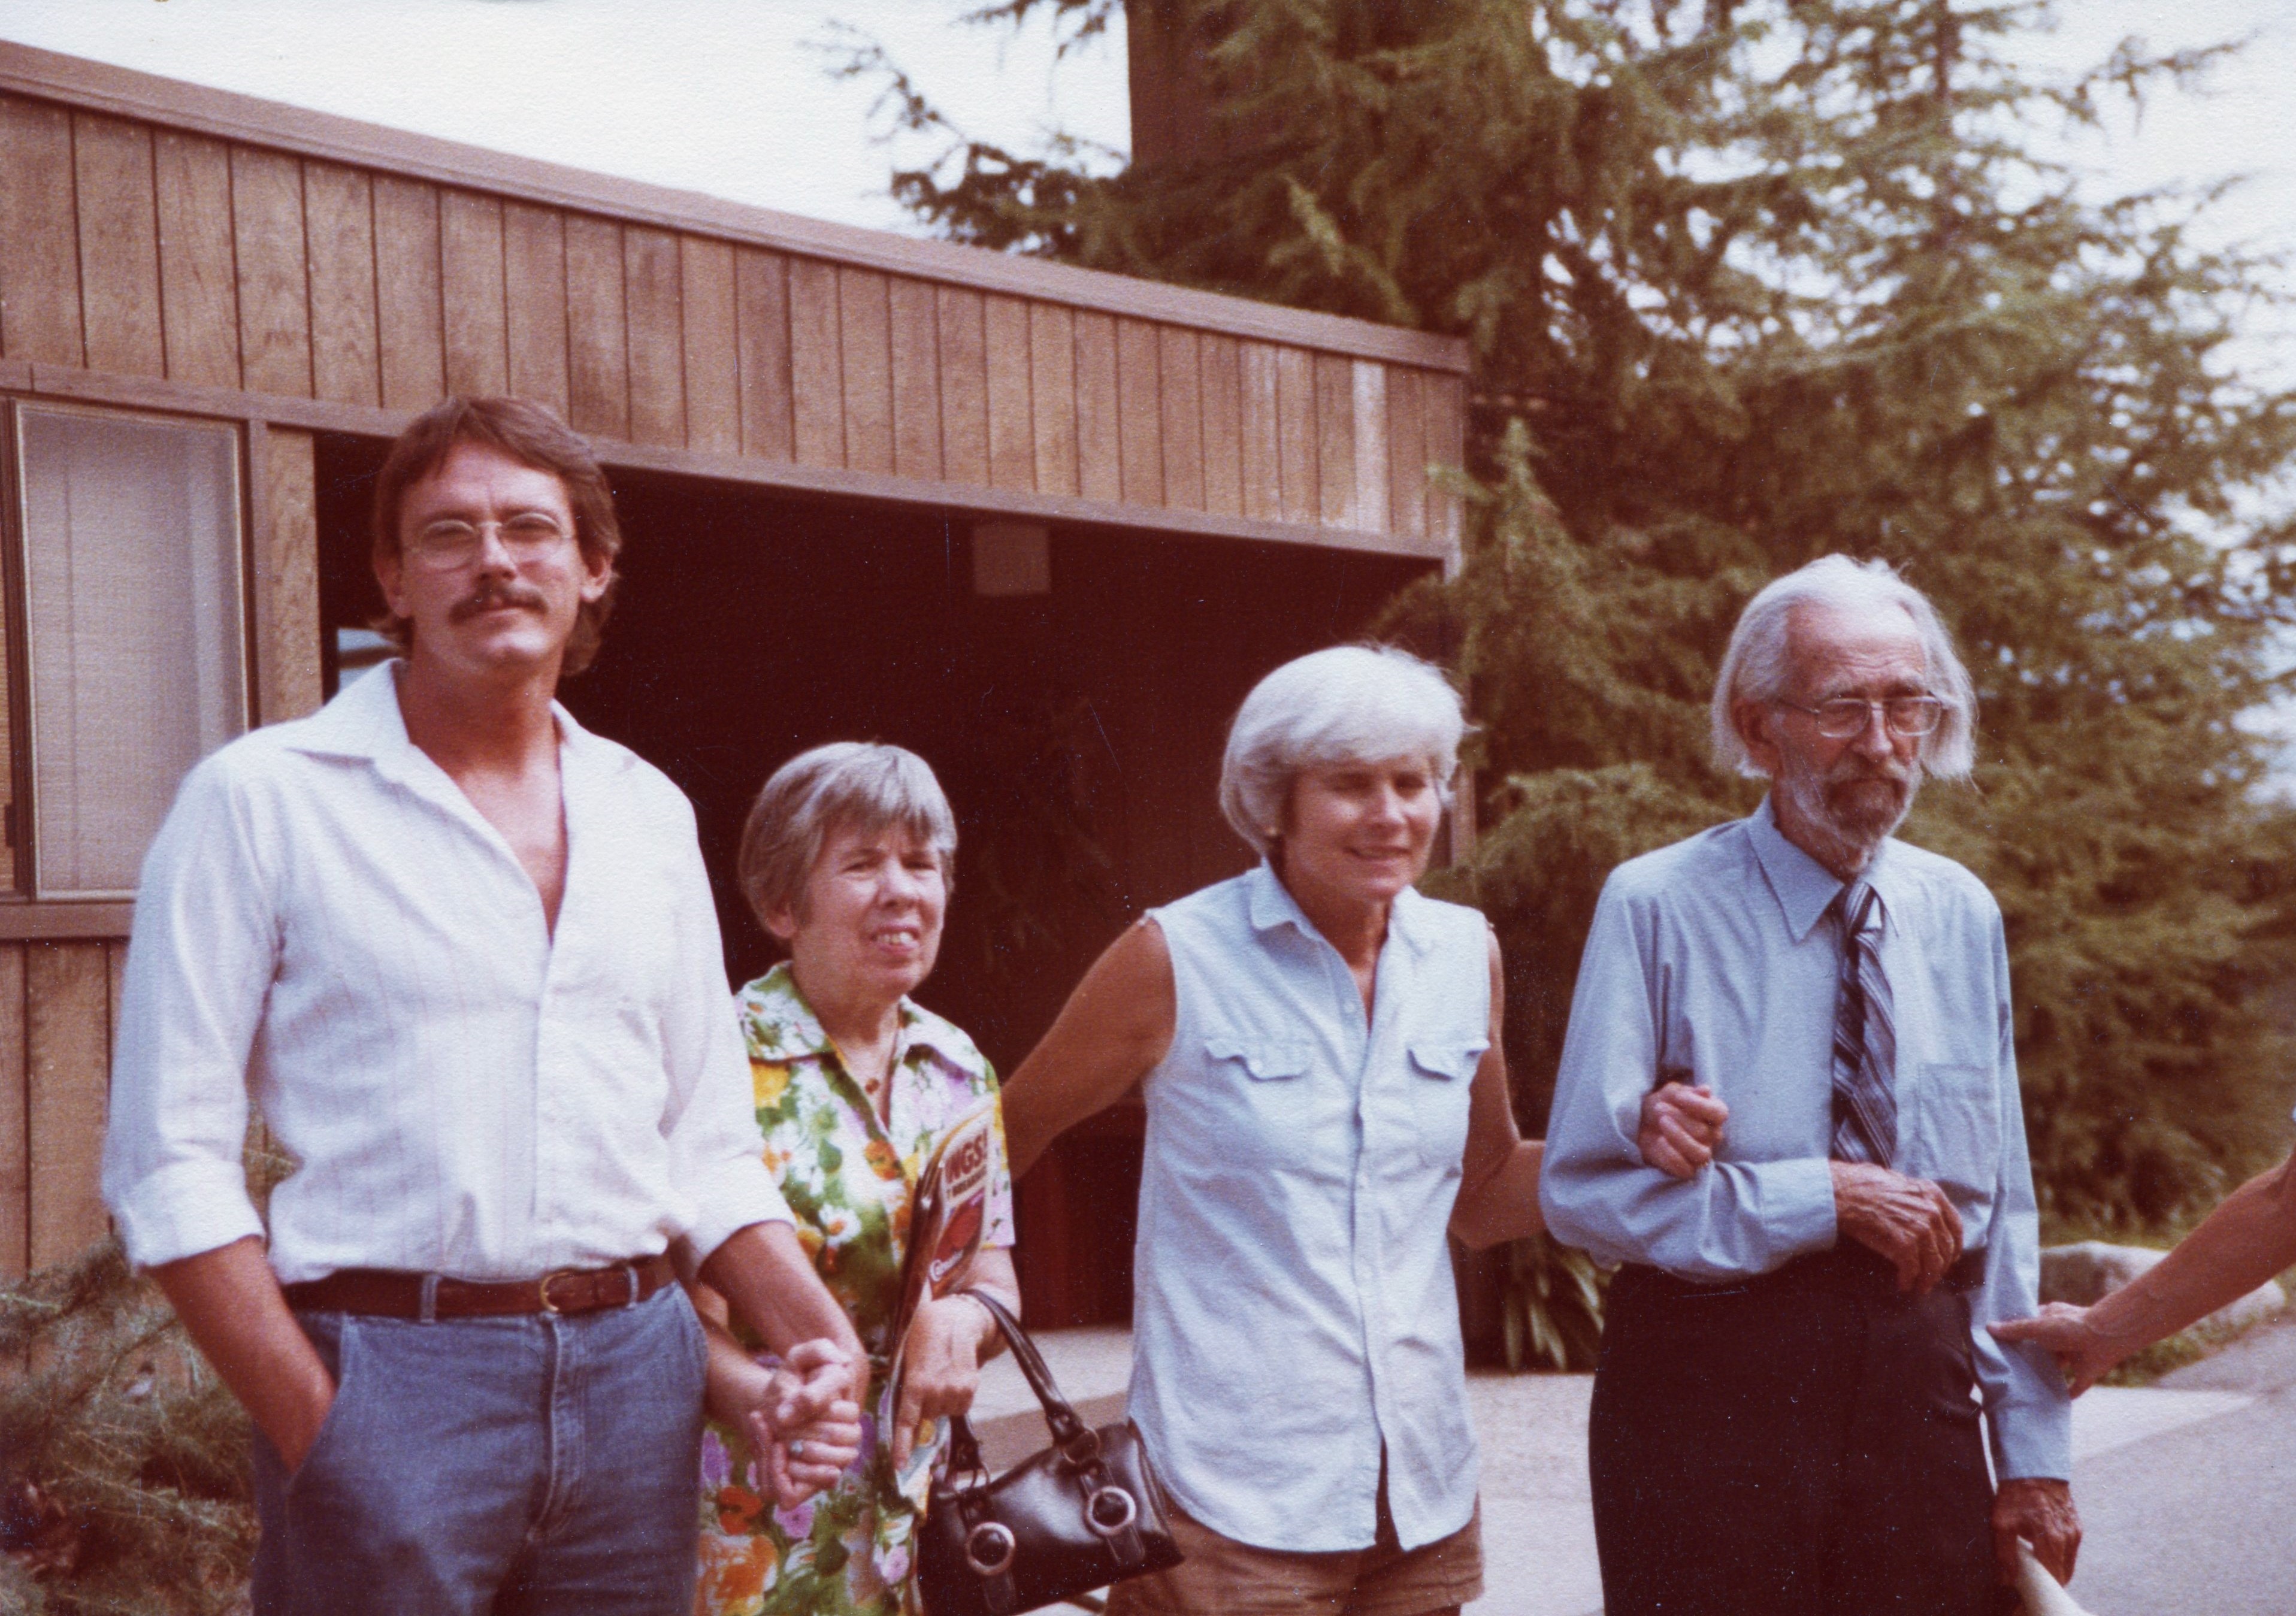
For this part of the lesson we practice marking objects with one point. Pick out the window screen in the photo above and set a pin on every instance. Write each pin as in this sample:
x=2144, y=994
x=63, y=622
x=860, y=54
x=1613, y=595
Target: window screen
x=135, y=639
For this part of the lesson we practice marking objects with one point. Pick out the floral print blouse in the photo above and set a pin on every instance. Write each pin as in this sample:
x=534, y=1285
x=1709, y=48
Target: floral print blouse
x=848, y=1179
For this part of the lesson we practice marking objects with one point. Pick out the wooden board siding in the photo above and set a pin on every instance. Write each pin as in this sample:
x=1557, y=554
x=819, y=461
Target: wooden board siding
x=713, y=387
x=410, y=321
x=1100, y=448
x=67, y=1064
x=119, y=245
x=535, y=303
x=287, y=629
x=1139, y=414
x=1406, y=453
x=1335, y=440
x=1053, y=395
x=1181, y=418
x=964, y=386
x=170, y=246
x=1011, y=418
x=1220, y=362
x=597, y=343
x=59, y=1009
x=1259, y=435
x=816, y=373
x=472, y=292
x=864, y=341
x=652, y=290
x=15, y=1120
x=274, y=295
x=346, y=344
x=39, y=256
x=915, y=325
x=762, y=320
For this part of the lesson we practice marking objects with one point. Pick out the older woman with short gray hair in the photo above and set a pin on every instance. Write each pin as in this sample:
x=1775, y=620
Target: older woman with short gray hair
x=1318, y=1046
x=847, y=861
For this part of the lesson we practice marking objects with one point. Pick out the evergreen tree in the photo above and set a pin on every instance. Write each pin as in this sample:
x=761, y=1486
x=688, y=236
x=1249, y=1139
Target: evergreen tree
x=1745, y=282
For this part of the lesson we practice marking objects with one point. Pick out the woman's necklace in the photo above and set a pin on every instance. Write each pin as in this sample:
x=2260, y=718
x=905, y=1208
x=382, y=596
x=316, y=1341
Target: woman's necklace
x=877, y=1081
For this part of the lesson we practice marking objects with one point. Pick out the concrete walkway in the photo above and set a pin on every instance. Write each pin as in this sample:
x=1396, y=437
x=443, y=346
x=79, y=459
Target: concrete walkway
x=2188, y=1489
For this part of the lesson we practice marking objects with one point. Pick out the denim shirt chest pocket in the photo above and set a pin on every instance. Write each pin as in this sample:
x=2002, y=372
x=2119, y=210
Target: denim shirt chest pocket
x=1271, y=1106
x=1957, y=1127
x=1440, y=1081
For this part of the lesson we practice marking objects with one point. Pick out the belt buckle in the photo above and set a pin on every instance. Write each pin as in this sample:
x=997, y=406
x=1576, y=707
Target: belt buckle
x=542, y=1287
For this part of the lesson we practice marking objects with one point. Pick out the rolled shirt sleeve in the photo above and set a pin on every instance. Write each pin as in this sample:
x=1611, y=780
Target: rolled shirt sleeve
x=2027, y=1414
x=1734, y=1219
x=200, y=966
x=711, y=1120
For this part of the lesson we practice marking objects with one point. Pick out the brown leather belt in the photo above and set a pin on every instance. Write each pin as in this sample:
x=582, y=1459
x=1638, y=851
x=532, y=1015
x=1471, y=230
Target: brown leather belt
x=392, y=1294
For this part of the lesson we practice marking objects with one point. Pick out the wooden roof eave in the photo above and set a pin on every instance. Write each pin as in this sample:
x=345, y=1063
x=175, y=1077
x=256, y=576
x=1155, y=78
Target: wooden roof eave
x=100, y=86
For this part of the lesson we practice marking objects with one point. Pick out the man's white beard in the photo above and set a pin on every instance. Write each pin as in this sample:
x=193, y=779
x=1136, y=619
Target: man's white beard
x=1846, y=841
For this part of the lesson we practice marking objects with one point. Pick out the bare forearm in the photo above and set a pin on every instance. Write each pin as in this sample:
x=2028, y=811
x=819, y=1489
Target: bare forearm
x=992, y=1271
x=1113, y=1031
x=1503, y=1204
x=231, y=1305
x=1034, y=1118
x=769, y=1283
x=2242, y=1243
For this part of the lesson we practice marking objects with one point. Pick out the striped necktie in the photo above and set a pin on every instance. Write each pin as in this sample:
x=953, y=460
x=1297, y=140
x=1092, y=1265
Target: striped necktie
x=1864, y=1035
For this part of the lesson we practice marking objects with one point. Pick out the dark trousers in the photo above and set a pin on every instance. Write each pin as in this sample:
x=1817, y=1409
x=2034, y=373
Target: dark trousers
x=1801, y=1444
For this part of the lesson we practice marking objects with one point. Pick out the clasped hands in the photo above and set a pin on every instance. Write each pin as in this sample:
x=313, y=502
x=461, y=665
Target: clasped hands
x=802, y=1417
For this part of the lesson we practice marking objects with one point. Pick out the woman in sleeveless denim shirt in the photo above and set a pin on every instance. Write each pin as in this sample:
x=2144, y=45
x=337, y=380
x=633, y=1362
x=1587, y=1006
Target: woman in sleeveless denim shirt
x=1318, y=1048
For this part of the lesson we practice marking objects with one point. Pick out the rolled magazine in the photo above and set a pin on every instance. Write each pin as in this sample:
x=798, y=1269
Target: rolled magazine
x=2041, y=1592
x=947, y=1219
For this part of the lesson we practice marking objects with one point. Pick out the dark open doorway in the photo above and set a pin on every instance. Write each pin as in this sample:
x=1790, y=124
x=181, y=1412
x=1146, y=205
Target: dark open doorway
x=1078, y=732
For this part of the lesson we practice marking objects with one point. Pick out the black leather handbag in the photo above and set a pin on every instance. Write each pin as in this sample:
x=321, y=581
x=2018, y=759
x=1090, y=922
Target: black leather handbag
x=1086, y=1512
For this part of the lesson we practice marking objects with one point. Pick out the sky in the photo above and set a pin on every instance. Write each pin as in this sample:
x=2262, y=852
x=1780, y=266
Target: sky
x=734, y=98
x=728, y=97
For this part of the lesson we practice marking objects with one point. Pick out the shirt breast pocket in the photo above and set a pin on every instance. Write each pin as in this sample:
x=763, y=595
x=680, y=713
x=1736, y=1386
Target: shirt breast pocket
x=1263, y=1103
x=1442, y=1078
x=1959, y=1140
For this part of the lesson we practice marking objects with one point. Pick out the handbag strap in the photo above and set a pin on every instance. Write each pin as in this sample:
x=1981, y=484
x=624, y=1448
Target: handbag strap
x=1067, y=1431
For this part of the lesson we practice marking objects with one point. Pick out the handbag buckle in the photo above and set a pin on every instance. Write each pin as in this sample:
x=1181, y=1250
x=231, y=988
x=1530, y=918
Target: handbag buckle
x=1082, y=1449
x=1110, y=1512
x=989, y=1547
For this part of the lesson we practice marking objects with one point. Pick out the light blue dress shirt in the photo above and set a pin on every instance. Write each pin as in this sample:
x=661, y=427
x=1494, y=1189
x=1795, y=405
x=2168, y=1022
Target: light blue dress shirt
x=1293, y=1309
x=1711, y=961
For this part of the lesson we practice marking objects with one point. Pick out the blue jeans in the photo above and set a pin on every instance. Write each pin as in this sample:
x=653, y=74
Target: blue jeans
x=513, y=1466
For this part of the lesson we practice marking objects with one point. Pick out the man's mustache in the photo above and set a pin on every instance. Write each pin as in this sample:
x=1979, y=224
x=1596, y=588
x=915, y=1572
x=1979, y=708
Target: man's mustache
x=1852, y=770
x=490, y=594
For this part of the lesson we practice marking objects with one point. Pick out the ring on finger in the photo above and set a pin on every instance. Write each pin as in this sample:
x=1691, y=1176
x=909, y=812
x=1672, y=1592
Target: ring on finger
x=797, y=1448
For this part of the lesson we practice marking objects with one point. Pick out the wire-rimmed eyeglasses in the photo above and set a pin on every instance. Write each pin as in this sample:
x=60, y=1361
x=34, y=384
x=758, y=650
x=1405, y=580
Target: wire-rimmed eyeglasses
x=528, y=536
x=1908, y=717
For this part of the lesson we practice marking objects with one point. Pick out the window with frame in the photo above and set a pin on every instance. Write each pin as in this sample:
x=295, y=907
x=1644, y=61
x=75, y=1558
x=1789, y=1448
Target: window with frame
x=127, y=627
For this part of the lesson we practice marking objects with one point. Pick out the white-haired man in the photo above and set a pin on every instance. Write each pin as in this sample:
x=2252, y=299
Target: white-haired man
x=1783, y=1423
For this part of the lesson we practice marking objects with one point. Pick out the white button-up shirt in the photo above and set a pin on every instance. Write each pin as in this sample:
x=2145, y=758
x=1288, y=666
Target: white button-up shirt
x=1294, y=1313
x=325, y=923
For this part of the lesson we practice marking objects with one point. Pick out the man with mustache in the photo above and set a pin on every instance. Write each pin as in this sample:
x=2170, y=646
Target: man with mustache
x=1786, y=1416
x=463, y=954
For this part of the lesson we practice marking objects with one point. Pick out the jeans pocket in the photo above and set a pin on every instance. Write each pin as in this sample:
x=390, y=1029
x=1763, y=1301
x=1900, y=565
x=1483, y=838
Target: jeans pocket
x=697, y=1339
x=344, y=1369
